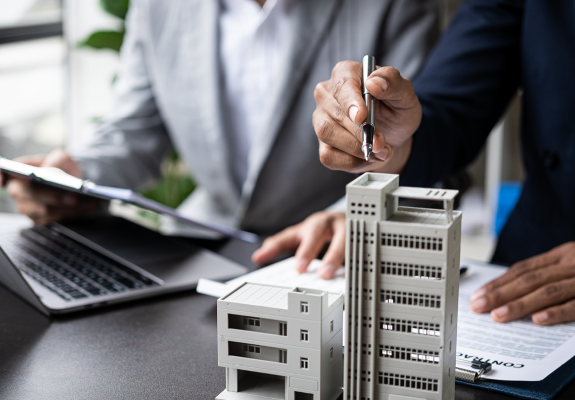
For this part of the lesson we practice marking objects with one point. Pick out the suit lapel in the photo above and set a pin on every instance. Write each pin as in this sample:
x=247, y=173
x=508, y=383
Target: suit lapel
x=310, y=21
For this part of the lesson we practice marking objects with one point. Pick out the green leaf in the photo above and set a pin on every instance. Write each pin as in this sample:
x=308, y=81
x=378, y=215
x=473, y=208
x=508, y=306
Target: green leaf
x=118, y=8
x=104, y=40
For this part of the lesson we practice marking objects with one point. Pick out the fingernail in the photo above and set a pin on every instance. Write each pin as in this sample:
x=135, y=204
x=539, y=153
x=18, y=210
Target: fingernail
x=541, y=317
x=501, y=311
x=382, y=155
x=353, y=112
x=301, y=265
x=479, y=304
x=69, y=200
x=382, y=83
x=327, y=271
x=478, y=293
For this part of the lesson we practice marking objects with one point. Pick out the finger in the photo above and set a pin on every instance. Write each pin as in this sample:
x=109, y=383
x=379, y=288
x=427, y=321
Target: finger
x=59, y=158
x=520, y=286
x=314, y=234
x=548, y=295
x=32, y=209
x=329, y=108
x=336, y=129
x=388, y=85
x=556, y=315
x=43, y=214
x=34, y=160
x=335, y=134
x=517, y=269
x=335, y=255
x=272, y=247
x=336, y=159
x=22, y=190
x=19, y=189
x=54, y=214
x=347, y=89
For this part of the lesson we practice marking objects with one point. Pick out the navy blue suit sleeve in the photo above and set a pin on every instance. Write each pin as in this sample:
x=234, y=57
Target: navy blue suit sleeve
x=465, y=87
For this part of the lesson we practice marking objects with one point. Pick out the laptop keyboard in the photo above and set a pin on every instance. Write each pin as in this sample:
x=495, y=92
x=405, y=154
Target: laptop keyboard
x=68, y=268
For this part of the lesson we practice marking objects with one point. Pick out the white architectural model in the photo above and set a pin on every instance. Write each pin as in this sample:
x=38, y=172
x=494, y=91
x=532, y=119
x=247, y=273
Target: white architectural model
x=280, y=343
x=402, y=274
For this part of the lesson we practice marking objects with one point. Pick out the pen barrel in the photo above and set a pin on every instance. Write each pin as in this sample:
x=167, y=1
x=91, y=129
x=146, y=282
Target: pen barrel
x=368, y=68
x=370, y=117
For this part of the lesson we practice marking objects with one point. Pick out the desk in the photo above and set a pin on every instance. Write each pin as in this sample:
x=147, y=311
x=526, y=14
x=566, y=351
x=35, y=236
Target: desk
x=161, y=348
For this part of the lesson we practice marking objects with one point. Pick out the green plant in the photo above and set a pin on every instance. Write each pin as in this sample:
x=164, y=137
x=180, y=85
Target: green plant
x=175, y=184
x=109, y=39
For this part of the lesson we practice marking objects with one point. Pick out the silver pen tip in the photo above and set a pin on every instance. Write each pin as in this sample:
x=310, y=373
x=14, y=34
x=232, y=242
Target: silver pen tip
x=367, y=149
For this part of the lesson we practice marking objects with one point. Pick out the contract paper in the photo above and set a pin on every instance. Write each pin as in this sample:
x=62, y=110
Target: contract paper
x=519, y=351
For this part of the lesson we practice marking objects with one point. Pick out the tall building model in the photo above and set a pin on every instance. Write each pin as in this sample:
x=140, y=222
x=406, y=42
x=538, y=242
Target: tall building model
x=280, y=343
x=402, y=275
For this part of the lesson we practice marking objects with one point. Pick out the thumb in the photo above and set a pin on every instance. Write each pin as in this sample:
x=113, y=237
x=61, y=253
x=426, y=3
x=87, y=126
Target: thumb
x=59, y=158
x=35, y=160
x=387, y=84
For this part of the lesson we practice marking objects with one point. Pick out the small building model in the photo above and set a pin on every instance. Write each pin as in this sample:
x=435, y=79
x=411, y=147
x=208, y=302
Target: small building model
x=280, y=343
x=402, y=275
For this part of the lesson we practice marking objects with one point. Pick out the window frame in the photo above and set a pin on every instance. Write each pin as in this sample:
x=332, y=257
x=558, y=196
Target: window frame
x=32, y=31
x=23, y=33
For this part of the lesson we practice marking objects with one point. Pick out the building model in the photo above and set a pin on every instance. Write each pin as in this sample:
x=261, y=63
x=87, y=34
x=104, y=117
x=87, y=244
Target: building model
x=402, y=286
x=280, y=343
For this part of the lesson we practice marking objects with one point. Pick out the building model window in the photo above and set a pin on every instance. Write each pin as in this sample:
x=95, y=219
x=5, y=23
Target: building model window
x=252, y=321
x=252, y=349
x=303, y=363
x=304, y=335
x=304, y=307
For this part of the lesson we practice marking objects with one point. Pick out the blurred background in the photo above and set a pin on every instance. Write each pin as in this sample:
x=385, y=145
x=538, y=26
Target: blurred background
x=58, y=60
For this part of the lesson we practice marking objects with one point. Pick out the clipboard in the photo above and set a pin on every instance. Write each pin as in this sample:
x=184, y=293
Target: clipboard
x=55, y=177
x=545, y=389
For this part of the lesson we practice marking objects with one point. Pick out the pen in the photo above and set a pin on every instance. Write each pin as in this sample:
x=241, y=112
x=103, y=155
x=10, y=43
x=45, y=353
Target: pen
x=368, y=126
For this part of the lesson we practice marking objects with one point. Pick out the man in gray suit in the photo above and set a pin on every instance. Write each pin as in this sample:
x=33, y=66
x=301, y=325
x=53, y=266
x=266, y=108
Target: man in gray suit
x=230, y=84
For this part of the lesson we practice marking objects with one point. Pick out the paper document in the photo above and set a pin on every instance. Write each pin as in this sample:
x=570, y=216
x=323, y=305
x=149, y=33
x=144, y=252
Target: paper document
x=282, y=273
x=520, y=350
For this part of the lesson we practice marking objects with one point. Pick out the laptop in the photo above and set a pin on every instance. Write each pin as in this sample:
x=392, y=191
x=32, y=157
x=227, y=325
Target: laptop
x=77, y=265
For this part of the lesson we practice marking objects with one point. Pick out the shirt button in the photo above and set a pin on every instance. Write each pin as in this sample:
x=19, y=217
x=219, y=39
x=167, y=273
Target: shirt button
x=550, y=160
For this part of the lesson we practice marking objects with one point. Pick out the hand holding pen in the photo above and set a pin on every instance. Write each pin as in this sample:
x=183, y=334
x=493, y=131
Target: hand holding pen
x=341, y=110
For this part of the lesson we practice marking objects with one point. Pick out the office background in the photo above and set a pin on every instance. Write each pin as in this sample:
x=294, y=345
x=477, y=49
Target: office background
x=53, y=92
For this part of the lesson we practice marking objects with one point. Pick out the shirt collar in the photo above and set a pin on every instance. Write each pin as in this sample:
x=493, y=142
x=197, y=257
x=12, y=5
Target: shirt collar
x=250, y=8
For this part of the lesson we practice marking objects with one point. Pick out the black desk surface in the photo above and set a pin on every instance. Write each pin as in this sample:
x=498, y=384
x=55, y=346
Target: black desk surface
x=161, y=348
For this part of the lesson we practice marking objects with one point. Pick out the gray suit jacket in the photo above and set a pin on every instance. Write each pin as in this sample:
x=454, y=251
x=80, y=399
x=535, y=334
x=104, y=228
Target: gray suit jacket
x=168, y=94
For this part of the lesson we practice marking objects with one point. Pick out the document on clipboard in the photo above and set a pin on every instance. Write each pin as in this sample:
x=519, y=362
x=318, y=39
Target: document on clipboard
x=59, y=179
